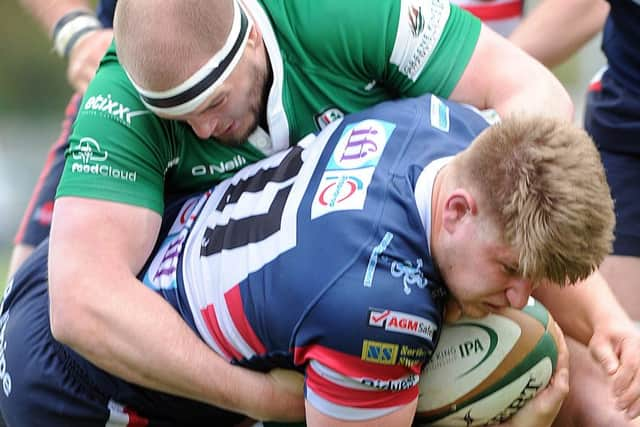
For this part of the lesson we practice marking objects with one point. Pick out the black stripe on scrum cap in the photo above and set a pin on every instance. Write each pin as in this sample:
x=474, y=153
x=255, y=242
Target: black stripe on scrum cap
x=206, y=82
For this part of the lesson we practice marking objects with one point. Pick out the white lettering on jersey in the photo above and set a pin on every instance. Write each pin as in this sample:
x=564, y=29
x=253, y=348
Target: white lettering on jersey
x=226, y=267
x=112, y=109
x=420, y=27
x=373, y=259
x=5, y=377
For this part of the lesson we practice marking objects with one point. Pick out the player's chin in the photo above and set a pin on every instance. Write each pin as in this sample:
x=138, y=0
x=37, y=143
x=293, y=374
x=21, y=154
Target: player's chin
x=238, y=137
x=476, y=310
x=233, y=141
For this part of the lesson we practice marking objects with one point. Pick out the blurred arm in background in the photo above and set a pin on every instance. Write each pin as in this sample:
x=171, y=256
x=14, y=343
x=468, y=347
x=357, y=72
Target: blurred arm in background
x=82, y=39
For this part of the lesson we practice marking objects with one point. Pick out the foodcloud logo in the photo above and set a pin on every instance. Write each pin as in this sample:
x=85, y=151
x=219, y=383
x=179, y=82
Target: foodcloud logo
x=90, y=159
x=88, y=150
x=349, y=172
x=403, y=323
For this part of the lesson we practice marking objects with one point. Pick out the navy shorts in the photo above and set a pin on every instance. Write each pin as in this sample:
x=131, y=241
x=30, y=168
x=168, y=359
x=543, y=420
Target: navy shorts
x=36, y=221
x=44, y=383
x=612, y=118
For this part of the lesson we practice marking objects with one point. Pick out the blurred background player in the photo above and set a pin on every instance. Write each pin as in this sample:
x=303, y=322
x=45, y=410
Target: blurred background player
x=81, y=37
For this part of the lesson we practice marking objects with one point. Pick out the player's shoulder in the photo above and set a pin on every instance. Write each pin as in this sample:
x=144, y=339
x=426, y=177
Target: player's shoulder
x=112, y=105
x=330, y=24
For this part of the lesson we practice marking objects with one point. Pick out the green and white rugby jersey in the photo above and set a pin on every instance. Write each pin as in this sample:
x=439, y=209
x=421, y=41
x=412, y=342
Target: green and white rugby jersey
x=329, y=58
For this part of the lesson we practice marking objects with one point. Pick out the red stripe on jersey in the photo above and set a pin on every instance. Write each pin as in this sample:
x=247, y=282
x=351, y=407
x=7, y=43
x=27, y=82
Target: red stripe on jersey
x=595, y=86
x=492, y=12
x=69, y=116
x=211, y=320
x=358, y=398
x=349, y=365
x=236, y=310
x=135, y=420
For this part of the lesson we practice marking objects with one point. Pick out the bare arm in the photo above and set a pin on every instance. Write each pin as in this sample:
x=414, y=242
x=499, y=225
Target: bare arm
x=48, y=12
x=100, y=310
x=590, y=313
x=556, y=29
x=85, y=55
x=581, y=308
x=401, y=417
x=503, y=77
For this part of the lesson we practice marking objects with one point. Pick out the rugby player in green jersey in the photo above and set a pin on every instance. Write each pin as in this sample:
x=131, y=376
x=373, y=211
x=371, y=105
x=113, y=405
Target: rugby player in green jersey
x=290, y=67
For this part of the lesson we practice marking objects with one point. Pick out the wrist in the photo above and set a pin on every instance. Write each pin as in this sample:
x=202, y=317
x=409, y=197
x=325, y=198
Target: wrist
x=70, y=28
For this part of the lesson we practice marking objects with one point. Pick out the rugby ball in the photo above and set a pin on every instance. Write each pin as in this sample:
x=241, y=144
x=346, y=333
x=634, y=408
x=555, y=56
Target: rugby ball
x=483, y=370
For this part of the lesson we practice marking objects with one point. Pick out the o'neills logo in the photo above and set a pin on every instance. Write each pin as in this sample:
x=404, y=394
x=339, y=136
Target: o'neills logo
x=235, y=163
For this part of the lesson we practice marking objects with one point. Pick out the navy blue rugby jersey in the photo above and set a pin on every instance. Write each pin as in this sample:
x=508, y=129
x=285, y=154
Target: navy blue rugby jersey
x=318, y=258
x=620, y=43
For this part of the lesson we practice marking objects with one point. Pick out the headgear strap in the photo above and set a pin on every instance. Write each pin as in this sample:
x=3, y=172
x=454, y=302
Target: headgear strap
x=188, y=95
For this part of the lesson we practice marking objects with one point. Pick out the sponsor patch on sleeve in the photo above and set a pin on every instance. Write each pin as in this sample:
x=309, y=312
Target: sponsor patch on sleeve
x=420, y=26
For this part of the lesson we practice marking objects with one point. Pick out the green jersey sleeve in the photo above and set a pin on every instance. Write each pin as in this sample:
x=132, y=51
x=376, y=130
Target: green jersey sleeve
x=118, y=150
x=432, y=48
x=403, y=47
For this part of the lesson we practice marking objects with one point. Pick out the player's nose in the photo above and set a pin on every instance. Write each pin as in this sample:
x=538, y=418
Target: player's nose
x=202, y=126
x=519, y=292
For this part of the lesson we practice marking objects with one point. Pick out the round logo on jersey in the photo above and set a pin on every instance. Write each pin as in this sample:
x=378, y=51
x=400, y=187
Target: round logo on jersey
x=338, y=188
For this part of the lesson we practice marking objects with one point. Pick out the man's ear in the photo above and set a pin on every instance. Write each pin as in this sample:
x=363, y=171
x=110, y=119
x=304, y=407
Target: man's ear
x=457, y=205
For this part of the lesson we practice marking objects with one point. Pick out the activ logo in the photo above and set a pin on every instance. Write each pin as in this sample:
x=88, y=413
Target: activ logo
x=361, y=145
x=112, y=109
x=402, y=323
x=89, y=159
x=340, y=191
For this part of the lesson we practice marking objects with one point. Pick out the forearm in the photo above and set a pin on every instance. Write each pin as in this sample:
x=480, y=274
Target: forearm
x=100, y=309
x=541, y=95
x=48, y=12
x=579, y=309
x=503, y=77
x=556, y=29
x=140, y=338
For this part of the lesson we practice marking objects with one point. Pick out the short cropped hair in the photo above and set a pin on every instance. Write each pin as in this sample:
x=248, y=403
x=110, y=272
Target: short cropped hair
x=543, y=183
x=160, y=44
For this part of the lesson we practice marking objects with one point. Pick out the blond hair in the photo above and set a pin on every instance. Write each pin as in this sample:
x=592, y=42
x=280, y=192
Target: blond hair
x=543, y=183
x=160, y=44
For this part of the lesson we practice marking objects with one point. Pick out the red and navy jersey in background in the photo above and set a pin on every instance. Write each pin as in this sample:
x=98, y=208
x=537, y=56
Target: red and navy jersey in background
x=318, y=257
x=105, y=10
x=621, y=43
